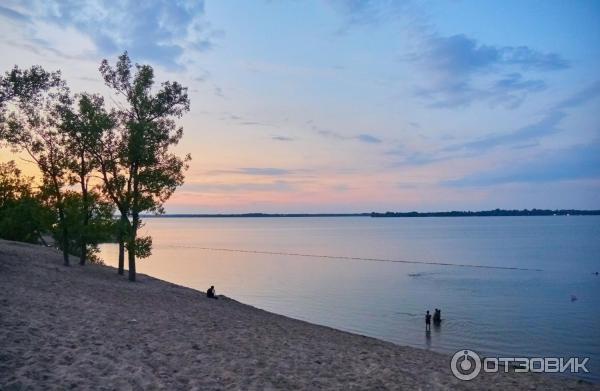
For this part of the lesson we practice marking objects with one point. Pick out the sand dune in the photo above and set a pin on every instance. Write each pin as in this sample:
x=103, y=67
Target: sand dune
x=88, y=328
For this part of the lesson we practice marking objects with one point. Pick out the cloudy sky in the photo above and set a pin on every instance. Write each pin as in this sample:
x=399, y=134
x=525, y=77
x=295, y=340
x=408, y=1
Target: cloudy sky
x=349, y=105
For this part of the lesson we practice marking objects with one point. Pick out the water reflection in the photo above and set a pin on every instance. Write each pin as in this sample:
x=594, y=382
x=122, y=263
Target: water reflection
x=513, y=312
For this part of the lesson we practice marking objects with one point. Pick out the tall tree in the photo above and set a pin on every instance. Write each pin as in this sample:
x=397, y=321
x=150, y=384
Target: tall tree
x=150, y=172
x=28, y=99
x=84, y=127
x=106, y=142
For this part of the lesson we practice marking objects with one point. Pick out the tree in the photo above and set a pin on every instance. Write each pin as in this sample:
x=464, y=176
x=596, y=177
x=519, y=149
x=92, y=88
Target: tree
x=84, y=127
x=23, y=215
x=106, y=142
x=28, y=124
x=147, y=173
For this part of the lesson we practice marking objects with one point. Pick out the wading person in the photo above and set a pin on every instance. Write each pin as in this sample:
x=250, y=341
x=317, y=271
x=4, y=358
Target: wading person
x=427, y=321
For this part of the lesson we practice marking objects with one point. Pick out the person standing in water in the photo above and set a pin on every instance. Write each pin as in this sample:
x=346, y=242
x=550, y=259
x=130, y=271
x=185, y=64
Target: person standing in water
x=427, y=321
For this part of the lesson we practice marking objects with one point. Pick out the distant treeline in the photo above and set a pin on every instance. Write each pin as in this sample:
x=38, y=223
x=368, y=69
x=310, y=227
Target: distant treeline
x=266, y=215
x=495, y=212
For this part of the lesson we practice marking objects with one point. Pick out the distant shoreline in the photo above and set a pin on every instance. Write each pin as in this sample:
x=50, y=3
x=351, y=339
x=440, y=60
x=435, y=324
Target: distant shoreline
x=484, y=213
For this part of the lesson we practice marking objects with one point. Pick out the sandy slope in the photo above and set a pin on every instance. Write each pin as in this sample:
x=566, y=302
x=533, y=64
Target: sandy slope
x=88, y=328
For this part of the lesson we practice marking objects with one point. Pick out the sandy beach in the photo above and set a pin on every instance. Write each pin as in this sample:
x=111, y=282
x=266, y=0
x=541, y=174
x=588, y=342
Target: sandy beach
x=88, y=328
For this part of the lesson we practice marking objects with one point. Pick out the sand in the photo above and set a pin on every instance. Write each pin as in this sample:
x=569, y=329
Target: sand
x=88, y=328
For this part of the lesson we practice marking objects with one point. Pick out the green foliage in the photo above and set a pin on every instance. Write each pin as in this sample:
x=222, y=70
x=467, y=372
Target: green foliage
x=13, y=185
x=142, y=247
x=25, y=85
x=100, y=226
x=23, y=215
x=84, y=120
x=149, y=130
x=26, y=220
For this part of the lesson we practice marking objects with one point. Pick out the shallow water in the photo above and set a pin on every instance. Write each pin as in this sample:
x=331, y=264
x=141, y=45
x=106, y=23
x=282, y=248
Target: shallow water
x=493, y=311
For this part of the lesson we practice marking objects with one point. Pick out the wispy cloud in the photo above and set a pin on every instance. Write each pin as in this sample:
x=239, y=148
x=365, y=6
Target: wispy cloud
x=458, y=69
x=362, y=12
x=363, y=137
x=14, y=15
x=209, y=187
x=531, y=134
x=460, y=55
x=526, y=137
x=256, y=171
x=578, y=162
x=422, y=158
x=269, y=171
x=218, y=91
x=158, y=31
x=367, y=138
x=545, y=127
x=282, y=138
x=239, y=120
x=331, y=134
x=522, y=138
x=589, y=93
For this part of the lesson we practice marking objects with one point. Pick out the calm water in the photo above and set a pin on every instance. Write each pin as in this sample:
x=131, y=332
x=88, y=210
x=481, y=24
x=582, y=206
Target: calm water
x=514, y=313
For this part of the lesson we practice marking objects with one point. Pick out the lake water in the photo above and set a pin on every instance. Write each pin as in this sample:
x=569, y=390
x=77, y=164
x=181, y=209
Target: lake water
x=492, y=311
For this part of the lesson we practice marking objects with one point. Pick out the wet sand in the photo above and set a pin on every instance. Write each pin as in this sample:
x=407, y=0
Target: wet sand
x=88, y=328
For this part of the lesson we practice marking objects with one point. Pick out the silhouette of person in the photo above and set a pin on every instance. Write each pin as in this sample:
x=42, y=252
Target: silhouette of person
x=437, y=317
x=427, y=321
x=210, y=292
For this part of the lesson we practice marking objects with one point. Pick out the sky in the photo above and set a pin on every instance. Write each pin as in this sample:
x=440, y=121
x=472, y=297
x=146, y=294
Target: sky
x=348, y=105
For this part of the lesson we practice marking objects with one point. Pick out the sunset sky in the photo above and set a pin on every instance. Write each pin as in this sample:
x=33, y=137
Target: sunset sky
x=351, y=106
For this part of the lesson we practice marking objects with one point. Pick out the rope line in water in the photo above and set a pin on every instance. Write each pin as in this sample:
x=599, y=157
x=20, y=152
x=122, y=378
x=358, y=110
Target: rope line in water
x=357, y=258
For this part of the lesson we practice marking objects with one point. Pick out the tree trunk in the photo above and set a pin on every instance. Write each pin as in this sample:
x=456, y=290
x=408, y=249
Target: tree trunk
x=121, y=256
x=86, y=218
x=121, y=238
x=131, y=256
x=83, y=254
x=61, y=220
x=135, y=220
x=131, y=246
x=65, y=234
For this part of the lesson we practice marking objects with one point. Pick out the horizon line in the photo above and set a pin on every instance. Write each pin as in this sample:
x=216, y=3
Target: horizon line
x=453, y=213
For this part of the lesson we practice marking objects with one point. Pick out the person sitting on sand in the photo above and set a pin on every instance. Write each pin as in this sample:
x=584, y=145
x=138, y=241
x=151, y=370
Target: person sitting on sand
x=427, y=321
x=210, y=292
